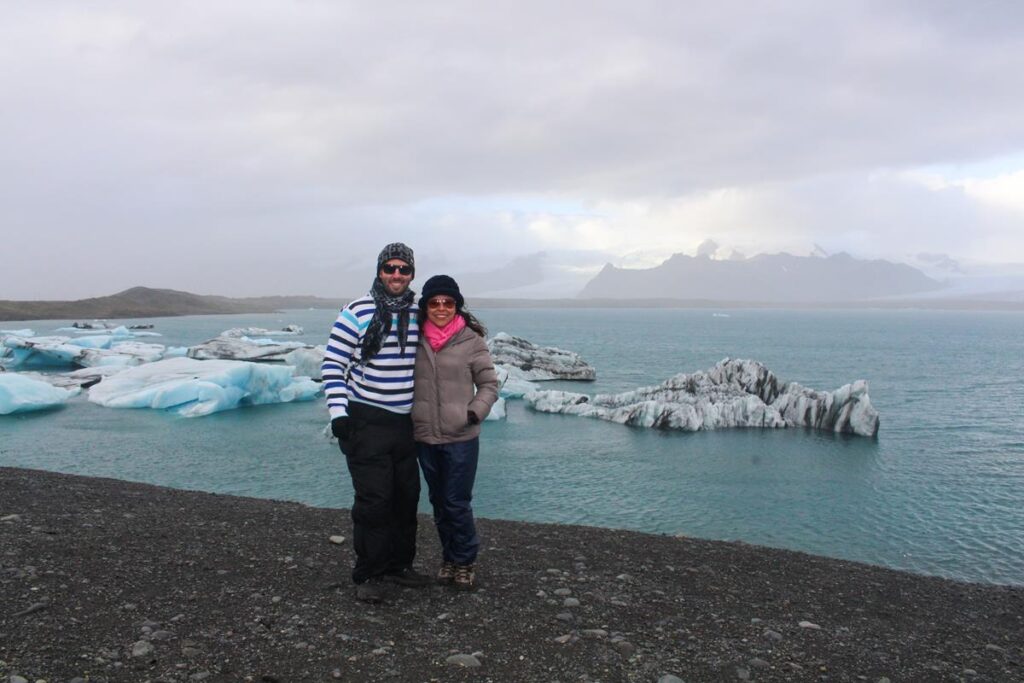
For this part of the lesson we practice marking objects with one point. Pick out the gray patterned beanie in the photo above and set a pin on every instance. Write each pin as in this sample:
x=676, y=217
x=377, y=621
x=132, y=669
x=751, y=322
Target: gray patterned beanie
x=396, y=250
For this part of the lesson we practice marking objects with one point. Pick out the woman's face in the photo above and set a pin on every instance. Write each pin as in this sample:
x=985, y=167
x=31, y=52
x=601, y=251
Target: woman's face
x=440, y=309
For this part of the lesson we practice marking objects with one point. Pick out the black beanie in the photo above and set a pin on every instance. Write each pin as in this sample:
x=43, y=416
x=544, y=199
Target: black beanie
x=442, y=284
x=396, y=250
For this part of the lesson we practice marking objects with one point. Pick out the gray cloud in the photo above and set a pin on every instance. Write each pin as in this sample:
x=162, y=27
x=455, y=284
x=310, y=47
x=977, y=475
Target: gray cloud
x=195, y=145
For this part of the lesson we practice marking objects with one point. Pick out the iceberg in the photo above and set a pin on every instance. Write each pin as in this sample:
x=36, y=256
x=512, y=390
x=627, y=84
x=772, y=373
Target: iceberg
x=307, y=362
x=86, y=352
x=261, y=332
x=19, y=394
x=511, y=382
x=193, y=388
x=243, y=348
x=537, y=363
x=17, y=333
x=734, y=393
x=84, y=378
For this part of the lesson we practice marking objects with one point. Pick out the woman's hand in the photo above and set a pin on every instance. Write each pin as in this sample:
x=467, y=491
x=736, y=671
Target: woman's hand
x=471, y=416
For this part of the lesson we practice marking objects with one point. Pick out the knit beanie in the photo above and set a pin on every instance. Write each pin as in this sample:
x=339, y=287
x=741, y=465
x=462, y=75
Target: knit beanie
x=442, y=284
x=396, y=250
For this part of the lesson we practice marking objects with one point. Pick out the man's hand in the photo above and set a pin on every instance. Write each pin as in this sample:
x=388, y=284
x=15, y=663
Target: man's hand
x=341, y=427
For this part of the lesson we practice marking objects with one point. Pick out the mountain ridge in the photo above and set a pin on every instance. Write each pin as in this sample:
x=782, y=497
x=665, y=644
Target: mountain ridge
x=768, y=278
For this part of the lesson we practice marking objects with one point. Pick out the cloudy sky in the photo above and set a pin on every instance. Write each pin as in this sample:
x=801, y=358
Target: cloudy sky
x=259, y=147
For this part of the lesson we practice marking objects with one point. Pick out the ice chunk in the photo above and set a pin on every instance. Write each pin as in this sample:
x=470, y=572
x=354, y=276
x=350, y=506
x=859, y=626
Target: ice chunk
x=734, y=393
x=84, y=378
x=307, y=361
x=193, y=388
x=242, y=348
x=511, y=382
x=260, y=331
x=17, y=333
x=39, y=352
x=20, y=394
x=538, y=362
x=497, y=410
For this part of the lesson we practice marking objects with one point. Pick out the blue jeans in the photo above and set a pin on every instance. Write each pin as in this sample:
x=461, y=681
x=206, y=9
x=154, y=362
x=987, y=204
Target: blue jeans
x=450, y=470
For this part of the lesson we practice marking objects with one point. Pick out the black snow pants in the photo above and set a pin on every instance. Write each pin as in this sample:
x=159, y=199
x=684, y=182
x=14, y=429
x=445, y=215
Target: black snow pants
x=381, y=457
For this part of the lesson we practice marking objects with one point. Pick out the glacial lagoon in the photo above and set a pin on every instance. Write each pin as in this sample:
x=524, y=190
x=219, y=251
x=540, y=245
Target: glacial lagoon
x=939, y=491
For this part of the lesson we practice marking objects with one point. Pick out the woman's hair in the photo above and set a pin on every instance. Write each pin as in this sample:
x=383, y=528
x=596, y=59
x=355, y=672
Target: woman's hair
x=472, y=322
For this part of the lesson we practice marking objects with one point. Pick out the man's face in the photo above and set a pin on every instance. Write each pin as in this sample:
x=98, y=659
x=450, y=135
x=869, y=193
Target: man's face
x=395, y=282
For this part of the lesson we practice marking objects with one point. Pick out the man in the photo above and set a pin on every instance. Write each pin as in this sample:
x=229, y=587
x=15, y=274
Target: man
x=368, y=378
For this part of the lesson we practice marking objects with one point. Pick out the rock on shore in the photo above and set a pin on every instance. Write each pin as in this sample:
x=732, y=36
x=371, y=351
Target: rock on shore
x=104, y=580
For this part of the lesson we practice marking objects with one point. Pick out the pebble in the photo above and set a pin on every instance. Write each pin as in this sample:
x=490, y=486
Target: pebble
x=810, y=625
x=564, y=616
x=991, y=647
x=11, y=518
x=337, y=540
x=161, y=635
x=759, y=663
x=199, y=676
x=571, y=602
x=562, y=592
x=772, y=635
x=627, y=577
x=468, y=661
x=563, y=639
x=669, y=678
x=443, y=615
x=755, y=620
x=17, y=679
x=742, y=674
x=625, y=648
x=970, y=672
x=142, y=648
x=884, y=679
x=595, y=633
x=554, y=572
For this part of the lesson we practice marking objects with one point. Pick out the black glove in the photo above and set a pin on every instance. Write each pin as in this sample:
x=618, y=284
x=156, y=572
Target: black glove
x=471, y=416
x=341, y=427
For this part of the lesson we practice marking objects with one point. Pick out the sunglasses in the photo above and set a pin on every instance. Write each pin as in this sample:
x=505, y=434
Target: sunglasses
x=441, y=303
x=390, y=269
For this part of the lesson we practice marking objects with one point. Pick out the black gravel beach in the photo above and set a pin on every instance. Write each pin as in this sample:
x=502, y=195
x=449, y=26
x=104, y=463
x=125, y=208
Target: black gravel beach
x=106, y=580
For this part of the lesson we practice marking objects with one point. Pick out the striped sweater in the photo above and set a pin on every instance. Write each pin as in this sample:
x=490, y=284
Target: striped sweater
x=386, y=380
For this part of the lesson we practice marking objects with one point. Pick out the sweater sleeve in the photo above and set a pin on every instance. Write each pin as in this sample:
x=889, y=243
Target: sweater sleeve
x=485, y=378
x=341, y=346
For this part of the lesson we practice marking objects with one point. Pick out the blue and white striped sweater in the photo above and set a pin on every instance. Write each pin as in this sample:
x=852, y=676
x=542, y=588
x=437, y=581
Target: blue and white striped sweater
x=386, y=380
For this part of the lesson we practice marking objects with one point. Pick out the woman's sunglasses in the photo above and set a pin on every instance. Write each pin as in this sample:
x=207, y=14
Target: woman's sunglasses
x=390, y=269
x=441, y=303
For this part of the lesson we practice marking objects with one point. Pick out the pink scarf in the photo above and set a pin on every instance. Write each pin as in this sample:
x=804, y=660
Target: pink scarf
x=439, y=336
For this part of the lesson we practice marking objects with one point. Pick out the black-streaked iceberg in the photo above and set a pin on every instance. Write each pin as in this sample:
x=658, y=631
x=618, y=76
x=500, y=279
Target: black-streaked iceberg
x=734, y=393
x=243, y=348
x=193, y=388
x=526, y=361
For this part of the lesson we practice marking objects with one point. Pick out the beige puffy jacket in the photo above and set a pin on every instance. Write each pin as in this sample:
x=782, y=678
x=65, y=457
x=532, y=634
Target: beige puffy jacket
x=444, y=388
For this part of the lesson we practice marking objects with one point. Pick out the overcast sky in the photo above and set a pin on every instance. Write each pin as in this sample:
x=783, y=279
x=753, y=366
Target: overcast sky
x=258, y=147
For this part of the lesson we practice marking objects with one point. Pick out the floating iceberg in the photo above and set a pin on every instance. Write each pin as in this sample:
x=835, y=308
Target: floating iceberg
x=734, y=393
x=537, y=363
x=511, y=383
x=84, y=378
x=243, y=348
x=19, y=394
x=84, y=352
x=193, y=388
x=260, y=332
x=17, y=333
x=307, y=362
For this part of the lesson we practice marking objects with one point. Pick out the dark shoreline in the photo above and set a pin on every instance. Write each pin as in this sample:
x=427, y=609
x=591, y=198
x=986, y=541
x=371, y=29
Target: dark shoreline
x=106, y=580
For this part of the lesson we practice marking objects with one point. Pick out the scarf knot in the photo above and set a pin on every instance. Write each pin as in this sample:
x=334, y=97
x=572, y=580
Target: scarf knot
x=380, y=324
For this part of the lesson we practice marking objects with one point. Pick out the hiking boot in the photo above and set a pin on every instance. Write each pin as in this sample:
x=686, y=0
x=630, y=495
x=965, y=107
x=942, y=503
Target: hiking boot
x=408, y=577
x=370, y=591
x=464, y=577
x=446, y=574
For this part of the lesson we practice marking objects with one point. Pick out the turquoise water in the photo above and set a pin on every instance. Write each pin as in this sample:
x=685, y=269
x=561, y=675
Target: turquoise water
x=940, y=491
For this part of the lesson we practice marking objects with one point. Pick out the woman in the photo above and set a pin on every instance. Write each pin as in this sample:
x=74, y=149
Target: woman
x=451, y=360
